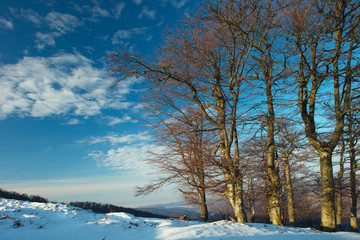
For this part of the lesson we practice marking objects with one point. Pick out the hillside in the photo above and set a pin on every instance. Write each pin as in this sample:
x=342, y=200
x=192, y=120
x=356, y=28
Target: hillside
x=29, y=220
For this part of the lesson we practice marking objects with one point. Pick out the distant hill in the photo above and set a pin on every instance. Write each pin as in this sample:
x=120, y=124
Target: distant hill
x=173, y=210
x=21, y=196
x=109, y=208
x=95, y=207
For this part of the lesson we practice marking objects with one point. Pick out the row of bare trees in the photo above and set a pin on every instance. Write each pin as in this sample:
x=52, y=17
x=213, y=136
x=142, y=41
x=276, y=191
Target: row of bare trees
x=279, y=76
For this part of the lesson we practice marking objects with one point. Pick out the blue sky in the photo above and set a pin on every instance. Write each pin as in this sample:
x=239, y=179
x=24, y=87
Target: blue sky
x=64, y=134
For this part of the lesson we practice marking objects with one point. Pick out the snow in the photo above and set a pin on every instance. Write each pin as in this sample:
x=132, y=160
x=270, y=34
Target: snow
x=26, y=221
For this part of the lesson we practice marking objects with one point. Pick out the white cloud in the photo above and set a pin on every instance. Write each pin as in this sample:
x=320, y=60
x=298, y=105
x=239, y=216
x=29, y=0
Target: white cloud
x=95, y=11
x=63, y=84
x=127, y=34
x=6, y=24
x=46, y=39
x=32, y=16
x=115, y=139
x=138, y=2
x=118, y=9
x=116, y=120
x=177, y=3
x=73, y=121
x=99, y=12
x=62, y=22
x=128, y=152
x=145, y=12
x=128, y=158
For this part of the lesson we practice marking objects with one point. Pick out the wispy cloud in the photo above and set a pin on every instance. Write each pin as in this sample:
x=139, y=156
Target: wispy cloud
x=95, y=11
x=57, y=23
x=115, y=120
x=62, y=22
x=127, y=152
x=127, y=158
x=31, y=16
x=145, y=12
x=177, y=3
x=99, y=12
x=6, y=24
x=73, y=121
x=115, y=139
x=62, y=84
x=46, y=39
x=118, y=10
x=121, y=35
x=138, y=2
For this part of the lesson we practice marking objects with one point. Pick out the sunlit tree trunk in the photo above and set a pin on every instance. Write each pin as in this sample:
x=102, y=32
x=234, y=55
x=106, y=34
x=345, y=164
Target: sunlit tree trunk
x=272, y=170
x=289, y=193
x=316, y=67
x=327, y=191
x=353, y=199
x=233, y=193
x=339, y=192
x=251, y=201
x=204, y=214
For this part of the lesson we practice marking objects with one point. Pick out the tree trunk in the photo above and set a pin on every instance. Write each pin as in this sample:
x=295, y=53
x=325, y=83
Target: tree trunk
x=289, y=192
x=339, y=193
x=234, y=194
x=252, y=210
x=327, y=191
x=251, y=202
x=353, y=209
x=204, y=215
x=273, y=173
x=273, y=197
x=339, y=209
x=274, y=188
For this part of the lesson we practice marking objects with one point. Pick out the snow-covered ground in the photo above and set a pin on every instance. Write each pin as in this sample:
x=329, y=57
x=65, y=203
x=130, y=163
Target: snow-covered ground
x=26, y=220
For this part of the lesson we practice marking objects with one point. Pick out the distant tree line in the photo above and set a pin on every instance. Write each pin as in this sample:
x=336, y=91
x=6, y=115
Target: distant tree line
x=244, y=95
x=109, y=208
x=21, y=196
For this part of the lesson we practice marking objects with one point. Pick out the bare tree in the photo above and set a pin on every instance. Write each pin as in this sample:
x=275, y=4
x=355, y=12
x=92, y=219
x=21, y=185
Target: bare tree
x=291, y=150
x=322, y=36
x=188, y=158
x=205, y=63
x=231, y=61
x=259, y=21
x=352, y=132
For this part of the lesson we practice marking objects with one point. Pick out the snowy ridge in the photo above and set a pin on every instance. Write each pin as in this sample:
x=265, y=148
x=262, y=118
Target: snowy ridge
x=27, y=220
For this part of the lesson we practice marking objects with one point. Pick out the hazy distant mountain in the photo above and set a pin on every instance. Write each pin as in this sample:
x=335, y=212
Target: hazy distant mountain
x=173, y=209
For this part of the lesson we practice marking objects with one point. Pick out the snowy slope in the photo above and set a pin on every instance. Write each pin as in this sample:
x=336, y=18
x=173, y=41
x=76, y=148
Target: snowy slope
x=26, y=220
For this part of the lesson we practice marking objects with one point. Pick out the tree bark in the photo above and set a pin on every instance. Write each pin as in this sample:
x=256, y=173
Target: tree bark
x=353, y=210
x=272, y=170
x=204, y=214
x=233, y=193
x=327, y=191
x=289, y=193
x=353, y=200
x=339, y=193
x=251, y=201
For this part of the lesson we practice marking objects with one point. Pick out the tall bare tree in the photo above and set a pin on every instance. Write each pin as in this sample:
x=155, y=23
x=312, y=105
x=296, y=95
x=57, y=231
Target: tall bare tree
x=206, y=64
x=322, y=36
x=188, y=159
x=259, y=21
x=353, y=135
x=290, y=147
